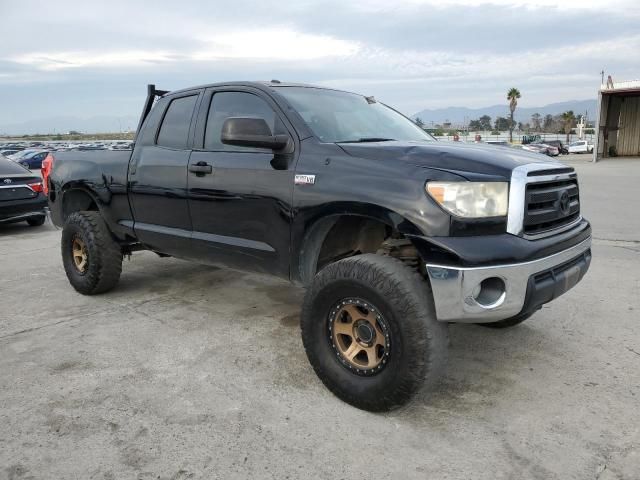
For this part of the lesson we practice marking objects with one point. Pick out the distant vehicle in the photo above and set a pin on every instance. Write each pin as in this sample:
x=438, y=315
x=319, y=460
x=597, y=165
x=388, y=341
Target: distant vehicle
x=526, y=139
x=91, y=147
x=21, y=195
x=13, y=146
x=120, y=146
x=581, y=146
x=548, y=149
x=8, y=152
x=499, y=143
x=534, y=147
x=542, y=148
x=22, y=153
x=31, y=159
x=562, y=148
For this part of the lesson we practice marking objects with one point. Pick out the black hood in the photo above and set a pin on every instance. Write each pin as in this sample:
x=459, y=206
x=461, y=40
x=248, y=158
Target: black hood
x=466, y=159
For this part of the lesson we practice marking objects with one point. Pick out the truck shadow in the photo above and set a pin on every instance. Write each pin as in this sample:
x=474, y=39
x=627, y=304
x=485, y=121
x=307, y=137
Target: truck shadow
x=484, y=364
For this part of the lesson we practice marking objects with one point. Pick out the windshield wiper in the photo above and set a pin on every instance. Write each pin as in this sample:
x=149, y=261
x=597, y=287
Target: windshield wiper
x=369, y=139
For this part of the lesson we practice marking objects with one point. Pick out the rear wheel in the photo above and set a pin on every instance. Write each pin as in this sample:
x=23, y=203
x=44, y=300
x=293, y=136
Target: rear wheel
x=370, y=331
x=91, y=258
x=36, y=221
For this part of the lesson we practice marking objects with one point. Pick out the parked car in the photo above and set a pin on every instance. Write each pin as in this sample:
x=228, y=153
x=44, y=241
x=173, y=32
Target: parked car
x=31, y=159
x=21, y=194
x=550, y=149
x=534, y=148
x=498, y=143
x=581, y=146
x=562, y=148
x=394, y=234
x=9, y=151
x=542, y=148
x=526, y=139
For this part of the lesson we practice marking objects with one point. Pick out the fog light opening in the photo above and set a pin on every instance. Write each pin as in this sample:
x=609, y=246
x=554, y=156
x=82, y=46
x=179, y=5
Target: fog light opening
x=490, y=292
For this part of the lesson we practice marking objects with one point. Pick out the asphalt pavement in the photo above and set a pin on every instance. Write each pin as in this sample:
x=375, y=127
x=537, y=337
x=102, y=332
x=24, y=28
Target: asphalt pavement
x=185, y=371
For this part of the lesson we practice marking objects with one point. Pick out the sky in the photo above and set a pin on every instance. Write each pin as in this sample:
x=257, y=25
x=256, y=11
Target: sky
x=88, y=58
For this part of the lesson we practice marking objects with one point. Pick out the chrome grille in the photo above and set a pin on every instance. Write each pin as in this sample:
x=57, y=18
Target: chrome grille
x=549, y=205
x=544, y=199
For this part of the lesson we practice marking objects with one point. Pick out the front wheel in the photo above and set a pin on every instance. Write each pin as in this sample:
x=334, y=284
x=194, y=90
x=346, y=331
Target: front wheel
x=370, y=331
x=91, y=258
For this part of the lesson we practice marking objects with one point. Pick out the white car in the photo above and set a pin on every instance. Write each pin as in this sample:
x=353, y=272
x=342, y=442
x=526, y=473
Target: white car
x=581, y=146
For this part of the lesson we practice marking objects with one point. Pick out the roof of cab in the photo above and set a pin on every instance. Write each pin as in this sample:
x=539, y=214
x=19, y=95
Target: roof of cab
x=262, y=85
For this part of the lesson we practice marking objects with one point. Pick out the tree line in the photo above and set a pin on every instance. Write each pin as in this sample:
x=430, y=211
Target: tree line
x=538, y=123
x=562, y=123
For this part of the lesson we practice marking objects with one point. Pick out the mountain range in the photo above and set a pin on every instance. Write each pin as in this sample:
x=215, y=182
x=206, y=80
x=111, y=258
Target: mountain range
x=459, y=115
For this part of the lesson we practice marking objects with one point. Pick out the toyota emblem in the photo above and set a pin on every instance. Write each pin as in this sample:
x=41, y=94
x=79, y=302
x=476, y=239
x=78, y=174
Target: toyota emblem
x=565, y=204
x=7, y=181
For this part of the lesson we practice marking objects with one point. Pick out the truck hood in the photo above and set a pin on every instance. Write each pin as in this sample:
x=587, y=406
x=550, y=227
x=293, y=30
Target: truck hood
x=468, y=160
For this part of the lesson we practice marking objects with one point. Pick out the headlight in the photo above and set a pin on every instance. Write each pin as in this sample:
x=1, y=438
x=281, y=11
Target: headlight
x=471, y=199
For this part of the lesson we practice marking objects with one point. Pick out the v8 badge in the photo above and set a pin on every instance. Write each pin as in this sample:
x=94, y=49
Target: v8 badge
x=305, y=179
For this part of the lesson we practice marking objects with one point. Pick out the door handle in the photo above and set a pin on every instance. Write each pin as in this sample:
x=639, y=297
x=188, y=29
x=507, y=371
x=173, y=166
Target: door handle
x=201, y=168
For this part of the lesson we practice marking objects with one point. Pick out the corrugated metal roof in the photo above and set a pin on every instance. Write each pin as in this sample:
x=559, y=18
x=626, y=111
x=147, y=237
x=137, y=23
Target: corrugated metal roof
x=629, y=85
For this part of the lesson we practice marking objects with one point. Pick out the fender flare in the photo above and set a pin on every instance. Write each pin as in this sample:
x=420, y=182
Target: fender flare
x=305, y=255
x=73, y=187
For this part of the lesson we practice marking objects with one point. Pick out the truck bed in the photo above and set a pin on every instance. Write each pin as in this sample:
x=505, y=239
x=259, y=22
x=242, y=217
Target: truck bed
x=103, y=175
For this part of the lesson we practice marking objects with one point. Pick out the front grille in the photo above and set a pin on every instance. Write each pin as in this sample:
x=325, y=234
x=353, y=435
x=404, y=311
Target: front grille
x=550, y=205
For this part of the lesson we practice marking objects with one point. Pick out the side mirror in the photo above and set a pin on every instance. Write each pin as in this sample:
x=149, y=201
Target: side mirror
x=251, y=132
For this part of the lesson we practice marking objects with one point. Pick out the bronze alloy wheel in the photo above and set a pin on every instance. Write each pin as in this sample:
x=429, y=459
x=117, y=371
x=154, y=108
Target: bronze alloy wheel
x=359, y=335
x=79, y=252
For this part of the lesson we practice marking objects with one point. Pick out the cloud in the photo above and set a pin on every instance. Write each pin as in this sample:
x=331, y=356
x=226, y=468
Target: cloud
x=413, y=54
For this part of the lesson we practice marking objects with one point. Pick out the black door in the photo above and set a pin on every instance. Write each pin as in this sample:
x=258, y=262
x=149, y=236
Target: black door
x=241, y=207
x=158, y=176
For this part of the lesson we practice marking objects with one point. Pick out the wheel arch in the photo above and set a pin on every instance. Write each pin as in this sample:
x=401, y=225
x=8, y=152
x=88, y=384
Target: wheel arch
x=337, y=235
x=75, y=198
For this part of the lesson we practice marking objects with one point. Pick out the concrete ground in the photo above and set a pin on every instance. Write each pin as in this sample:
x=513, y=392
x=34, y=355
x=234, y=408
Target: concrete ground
x=187, y=372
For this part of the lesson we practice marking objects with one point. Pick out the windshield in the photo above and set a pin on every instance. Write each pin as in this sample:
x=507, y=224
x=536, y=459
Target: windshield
x=338, y=117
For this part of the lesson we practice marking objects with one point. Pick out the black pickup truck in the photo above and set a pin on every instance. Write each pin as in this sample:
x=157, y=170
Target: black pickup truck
x=393, y=234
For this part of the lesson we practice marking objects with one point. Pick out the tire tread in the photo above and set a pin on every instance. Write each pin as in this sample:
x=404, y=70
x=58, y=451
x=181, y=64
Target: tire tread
x=105, y=252
x=411, y=297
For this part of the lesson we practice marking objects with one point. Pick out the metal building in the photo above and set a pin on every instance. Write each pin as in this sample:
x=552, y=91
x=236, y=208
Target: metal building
x=618, y=118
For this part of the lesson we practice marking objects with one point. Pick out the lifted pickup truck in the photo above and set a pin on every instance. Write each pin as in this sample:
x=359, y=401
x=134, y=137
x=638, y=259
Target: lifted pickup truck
x=393, y=234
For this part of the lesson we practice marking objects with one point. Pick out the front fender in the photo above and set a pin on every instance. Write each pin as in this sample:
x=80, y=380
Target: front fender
x=307, y=241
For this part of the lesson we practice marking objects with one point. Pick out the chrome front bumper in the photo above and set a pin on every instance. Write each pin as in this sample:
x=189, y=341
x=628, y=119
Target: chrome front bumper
x=493, y=293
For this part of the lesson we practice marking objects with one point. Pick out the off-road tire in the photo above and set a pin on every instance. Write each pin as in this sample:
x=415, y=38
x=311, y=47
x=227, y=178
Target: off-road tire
x=36, y=221
x=104, y=256
x=418, y=342
x=508, y=322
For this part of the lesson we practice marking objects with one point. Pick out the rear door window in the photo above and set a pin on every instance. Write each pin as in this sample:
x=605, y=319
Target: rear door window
x=174, y=131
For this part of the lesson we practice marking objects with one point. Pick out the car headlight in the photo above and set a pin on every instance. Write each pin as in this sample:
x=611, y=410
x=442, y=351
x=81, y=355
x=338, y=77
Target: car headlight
x=471, y=199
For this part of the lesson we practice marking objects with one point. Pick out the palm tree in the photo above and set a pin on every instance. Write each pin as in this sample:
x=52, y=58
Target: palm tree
x=513, y=95
x=568, y=121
